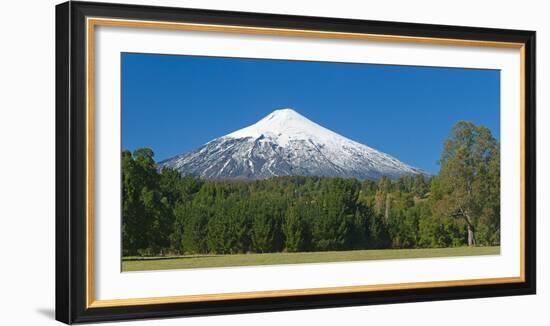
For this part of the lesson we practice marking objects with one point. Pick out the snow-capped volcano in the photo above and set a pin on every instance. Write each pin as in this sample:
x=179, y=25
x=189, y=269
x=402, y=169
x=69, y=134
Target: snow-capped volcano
x=287, y=143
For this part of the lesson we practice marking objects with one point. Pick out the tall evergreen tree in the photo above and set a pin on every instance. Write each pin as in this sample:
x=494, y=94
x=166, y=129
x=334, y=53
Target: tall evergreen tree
x=294, y=230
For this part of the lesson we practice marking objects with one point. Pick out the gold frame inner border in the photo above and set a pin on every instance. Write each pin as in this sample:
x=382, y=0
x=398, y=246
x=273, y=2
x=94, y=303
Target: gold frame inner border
x=92, y=22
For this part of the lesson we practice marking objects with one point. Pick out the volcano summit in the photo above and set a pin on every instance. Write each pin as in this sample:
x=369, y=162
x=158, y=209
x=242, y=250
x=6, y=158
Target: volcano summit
x=286, y=143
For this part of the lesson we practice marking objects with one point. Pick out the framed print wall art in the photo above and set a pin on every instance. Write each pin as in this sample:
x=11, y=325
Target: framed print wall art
x=216, y=162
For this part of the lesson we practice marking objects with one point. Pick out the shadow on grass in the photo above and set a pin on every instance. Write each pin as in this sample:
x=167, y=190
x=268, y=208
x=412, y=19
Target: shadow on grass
x=166, y=258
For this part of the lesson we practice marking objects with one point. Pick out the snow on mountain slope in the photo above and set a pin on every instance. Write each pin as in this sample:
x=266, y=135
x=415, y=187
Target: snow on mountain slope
x=287, y=143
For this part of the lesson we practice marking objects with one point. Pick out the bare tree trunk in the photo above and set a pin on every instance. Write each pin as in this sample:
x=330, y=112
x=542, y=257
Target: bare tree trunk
x=471, y=230
x=388, y=204
x=471, y=235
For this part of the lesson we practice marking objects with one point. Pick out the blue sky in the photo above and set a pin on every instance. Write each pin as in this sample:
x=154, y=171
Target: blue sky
x=174, y=104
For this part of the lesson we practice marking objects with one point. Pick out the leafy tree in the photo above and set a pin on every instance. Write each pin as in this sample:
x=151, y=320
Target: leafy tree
x=333, y=229
x=266, y=233
x=378, y=237
x=196, y=230
x=419, y=187
x=147, y=219
x=294, y=230
x=468, y=183
x=133, y=217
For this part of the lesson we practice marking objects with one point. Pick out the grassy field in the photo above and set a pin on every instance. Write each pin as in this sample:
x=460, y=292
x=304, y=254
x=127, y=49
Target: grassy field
x=202, y=261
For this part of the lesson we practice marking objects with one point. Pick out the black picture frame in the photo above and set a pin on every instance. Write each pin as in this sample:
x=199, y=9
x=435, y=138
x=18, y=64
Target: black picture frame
x=71, y=157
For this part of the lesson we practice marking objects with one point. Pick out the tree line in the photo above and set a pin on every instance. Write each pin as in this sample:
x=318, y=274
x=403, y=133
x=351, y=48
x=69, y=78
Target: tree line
x=164, y=212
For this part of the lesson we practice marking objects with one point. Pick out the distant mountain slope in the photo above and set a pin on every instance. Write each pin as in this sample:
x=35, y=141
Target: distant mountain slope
x=287, y=143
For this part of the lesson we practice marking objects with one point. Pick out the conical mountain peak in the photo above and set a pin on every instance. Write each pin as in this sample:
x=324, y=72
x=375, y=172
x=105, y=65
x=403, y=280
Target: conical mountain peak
x=283, y=114
x=285, y=142
x=284, y=125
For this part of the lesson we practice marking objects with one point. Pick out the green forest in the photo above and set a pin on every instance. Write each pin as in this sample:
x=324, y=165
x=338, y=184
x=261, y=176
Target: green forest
x=166, y=213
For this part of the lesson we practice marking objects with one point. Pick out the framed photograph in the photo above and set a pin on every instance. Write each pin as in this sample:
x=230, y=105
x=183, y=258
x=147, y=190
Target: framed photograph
x=213, y=162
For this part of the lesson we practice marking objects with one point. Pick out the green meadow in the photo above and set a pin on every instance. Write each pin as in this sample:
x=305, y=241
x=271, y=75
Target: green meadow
x=253, y=259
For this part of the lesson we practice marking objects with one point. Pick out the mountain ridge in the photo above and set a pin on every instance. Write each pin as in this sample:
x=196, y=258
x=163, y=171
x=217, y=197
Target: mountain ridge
x=286, y=143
